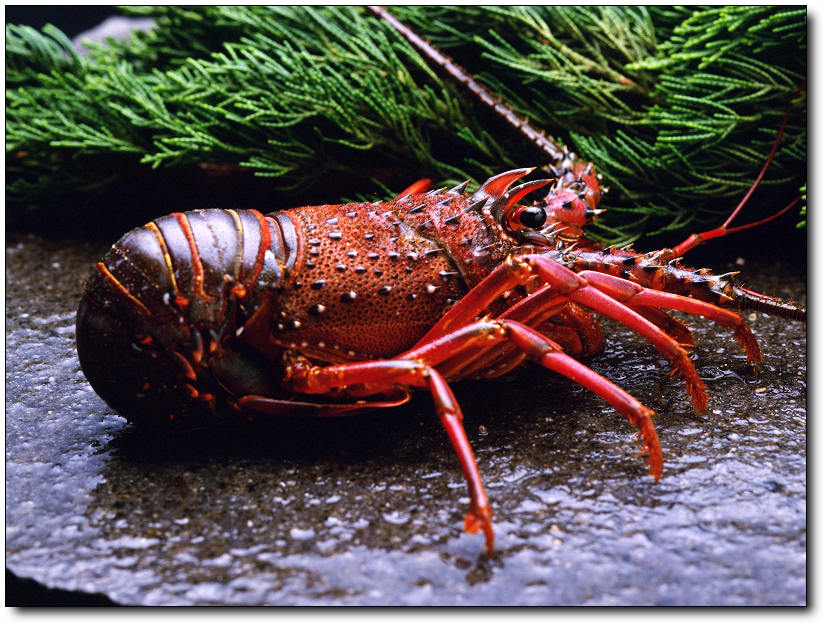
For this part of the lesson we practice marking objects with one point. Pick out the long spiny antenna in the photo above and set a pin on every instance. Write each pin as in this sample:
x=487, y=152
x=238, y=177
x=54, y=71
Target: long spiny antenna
x=724, y=230
x=519, y=122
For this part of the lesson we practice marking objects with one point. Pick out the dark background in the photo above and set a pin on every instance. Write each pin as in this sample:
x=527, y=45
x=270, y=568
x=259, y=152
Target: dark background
x=72, y=20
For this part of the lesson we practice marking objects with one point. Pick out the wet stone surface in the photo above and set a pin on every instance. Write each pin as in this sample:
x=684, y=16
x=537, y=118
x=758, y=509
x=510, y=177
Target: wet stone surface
x=369, y=509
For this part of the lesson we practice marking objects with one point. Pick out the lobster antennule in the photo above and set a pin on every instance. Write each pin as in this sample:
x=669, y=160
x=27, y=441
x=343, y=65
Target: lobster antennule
x=724, y=230
x=749, y=299
x=497, y=185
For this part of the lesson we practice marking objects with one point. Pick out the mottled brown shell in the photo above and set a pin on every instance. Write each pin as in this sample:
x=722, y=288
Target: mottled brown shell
x=366, y=284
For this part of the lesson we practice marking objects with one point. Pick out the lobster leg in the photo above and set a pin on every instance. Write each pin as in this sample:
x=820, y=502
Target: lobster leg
x=645, y=301
x=575, y=329
x=634, y=295
x=417, y=368
x=672, y=326
x=549, y=355
x=252, y=404
x=584, y=324
x=577, y=289
x=568, y=286
x=320, y=380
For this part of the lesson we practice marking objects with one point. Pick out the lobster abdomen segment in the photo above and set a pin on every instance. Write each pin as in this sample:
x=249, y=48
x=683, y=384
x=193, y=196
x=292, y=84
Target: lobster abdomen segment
x=165, y=300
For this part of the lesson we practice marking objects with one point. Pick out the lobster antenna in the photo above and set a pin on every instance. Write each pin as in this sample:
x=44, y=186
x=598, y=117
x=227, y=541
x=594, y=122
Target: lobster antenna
x=748, y=299
x=518, y=122
x=768, y=160
x=696, y=239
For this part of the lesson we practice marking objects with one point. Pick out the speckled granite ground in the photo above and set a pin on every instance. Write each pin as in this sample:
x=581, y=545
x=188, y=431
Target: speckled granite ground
x=368, y=510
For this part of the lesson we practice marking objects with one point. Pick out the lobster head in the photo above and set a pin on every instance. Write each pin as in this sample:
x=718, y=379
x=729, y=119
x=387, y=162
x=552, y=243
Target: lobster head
x=570, y=204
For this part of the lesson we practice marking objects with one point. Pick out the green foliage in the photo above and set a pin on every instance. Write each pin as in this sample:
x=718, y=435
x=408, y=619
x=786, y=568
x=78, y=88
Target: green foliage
x=802, y=224
x=677, y=107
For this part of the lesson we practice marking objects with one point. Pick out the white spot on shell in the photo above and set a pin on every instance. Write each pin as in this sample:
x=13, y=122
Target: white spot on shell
x=239, y=332
x=431, y=289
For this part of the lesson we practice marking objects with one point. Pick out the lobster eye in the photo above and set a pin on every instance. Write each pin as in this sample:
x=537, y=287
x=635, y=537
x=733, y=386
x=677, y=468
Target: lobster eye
x=533, y=217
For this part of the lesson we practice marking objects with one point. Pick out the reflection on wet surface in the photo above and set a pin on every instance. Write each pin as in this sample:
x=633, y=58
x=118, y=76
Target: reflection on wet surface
x=368, y=509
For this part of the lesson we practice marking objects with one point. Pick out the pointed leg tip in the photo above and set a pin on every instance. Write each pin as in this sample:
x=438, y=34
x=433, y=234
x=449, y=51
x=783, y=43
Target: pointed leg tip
x=651, y=444
x=656, y=465
x=480, y=519
x=700, y=404
x=700, y=396
x=695, y=387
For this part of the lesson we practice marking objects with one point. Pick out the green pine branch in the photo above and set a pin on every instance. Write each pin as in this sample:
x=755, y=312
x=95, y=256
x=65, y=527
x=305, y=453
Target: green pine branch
x=677, y=107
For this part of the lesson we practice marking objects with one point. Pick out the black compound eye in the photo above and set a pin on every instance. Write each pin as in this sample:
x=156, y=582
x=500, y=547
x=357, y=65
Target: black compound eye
x=533, y=217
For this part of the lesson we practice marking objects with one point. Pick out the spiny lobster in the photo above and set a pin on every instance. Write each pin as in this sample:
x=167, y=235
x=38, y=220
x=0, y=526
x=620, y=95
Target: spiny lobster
x=328, y=310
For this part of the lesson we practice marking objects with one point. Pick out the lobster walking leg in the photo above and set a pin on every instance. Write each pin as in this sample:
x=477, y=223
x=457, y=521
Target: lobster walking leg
x=252, y=405
x=567, y=286
x=417, y=368
x=320, y=380
x=636, y=295
x=549, y=355
x=575, y=329
x=679, y=331
x=644, y=301
x=577, y=289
